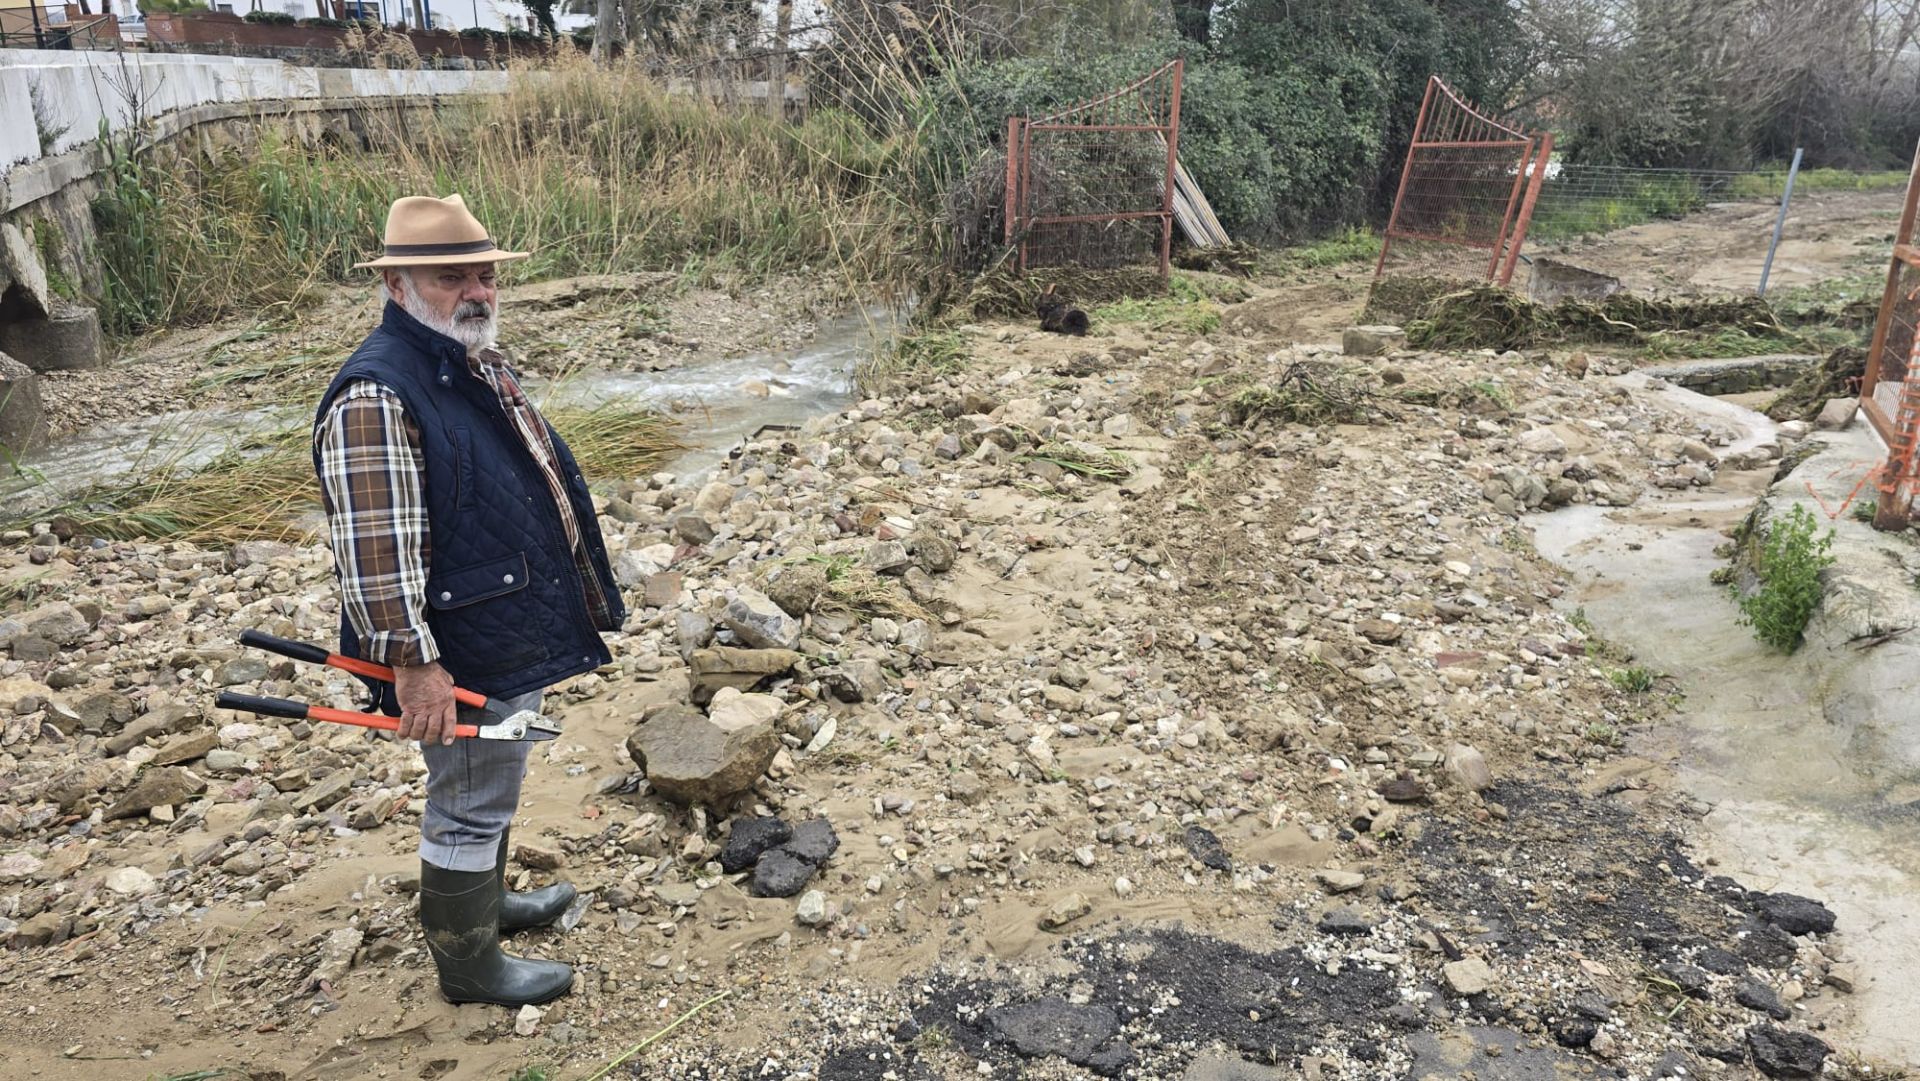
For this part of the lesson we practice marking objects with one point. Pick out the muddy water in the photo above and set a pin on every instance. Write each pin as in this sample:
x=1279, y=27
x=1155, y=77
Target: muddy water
x=717, y=404
x=1810, y=793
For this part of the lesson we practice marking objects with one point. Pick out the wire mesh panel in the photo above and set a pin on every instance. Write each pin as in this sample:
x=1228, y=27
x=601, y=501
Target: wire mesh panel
x=1890, y=389
x=1092, y=184
x=1469, y=182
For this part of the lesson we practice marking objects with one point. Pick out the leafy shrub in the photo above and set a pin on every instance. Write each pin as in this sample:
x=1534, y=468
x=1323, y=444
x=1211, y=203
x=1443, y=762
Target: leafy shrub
x=326, y=23
x=272, y=18
x=1789, y=589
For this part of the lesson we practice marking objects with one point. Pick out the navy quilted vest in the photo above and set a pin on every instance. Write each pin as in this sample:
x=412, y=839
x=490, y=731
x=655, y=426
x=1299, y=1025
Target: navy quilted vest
x=506, y=603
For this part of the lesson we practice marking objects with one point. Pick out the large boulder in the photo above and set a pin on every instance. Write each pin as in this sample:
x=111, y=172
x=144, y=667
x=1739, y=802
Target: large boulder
x=23, y=421
x=694, y=758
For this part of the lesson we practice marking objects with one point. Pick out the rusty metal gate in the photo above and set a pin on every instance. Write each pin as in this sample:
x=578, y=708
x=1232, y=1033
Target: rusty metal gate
x=1093, y=184
x=1890, y=389
x=1469, y=181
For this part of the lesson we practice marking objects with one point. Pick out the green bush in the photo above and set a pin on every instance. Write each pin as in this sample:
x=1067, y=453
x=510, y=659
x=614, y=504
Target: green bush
x=273, y=18
x=1789, y=589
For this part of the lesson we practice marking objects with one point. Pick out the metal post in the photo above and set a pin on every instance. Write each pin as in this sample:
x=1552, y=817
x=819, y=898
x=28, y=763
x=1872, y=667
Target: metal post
x=1173, y=159
x=1518, y=234
x=39, y=35
x=1780, y=222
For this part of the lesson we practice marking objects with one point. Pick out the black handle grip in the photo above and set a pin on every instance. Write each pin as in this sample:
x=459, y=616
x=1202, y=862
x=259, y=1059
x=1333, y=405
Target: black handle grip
x=286, y=647
x=270, y=707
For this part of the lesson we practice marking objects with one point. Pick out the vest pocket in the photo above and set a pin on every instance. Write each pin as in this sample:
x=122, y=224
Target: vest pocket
x=481, y=582
x=478, y=629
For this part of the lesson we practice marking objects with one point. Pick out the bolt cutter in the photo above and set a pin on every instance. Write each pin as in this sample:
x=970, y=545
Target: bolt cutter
x=524, y=724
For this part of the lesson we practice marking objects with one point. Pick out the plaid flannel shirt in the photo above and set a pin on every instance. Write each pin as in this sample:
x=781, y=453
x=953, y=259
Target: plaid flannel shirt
x=372, y=488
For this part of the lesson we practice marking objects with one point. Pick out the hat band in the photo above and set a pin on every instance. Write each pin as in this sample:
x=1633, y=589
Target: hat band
x=467, y=247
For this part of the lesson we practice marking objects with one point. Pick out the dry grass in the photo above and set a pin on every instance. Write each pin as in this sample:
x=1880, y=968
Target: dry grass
x=263, y=488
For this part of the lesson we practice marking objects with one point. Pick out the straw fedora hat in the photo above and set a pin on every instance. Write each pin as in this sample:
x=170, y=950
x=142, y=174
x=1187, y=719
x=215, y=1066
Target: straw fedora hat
x=424, y=231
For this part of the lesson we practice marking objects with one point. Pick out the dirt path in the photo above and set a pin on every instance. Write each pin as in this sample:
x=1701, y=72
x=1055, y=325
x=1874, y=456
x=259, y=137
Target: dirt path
x=1829, y=237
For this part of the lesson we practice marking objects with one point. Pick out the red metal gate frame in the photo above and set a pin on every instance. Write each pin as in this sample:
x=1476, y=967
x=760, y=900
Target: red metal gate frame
x=1901, y=430
x=1467, y=126
x=1020, y=220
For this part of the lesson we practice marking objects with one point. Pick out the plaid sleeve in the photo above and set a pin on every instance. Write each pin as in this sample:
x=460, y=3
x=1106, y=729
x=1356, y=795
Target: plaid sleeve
x=371, y=485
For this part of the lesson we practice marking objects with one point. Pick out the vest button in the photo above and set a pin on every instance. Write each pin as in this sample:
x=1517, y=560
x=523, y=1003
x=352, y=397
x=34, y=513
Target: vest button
x=507, y=578
x=445, y=596
x=445, y=379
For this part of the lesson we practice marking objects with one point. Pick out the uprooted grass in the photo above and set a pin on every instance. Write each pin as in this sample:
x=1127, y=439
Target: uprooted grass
x=1308, y=394
x=1488, y=317
x=262, y=487
x=934, y=351
x=1007, y=293
x=1094, y=463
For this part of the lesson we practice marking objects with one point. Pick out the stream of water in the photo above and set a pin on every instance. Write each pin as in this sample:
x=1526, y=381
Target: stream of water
x=717, y=405
x=1812, y=793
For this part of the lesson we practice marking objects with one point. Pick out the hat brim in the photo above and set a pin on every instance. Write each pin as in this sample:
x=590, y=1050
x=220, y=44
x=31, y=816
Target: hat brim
x=495, y=256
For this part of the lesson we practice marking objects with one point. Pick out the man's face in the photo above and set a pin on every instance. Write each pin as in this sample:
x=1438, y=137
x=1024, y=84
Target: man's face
x=458, y=300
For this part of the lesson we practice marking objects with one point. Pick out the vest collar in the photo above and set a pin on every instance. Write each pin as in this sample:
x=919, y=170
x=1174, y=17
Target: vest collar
x=452, y=355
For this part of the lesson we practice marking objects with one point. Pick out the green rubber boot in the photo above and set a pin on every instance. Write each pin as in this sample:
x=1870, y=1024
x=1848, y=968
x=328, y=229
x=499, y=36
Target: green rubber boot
x=534, y=908
x=461, y=913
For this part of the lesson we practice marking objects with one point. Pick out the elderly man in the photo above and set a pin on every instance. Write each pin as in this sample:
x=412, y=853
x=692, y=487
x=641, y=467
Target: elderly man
x=468, y=554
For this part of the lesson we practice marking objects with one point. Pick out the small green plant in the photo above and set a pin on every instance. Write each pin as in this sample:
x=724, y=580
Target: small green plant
x=837, y=567
x=1865, y=510
x=1633, y=679
x=44, y=125
x=534, y=1073
x=1582, y=622
x=1603, y=734
x=1789, y=589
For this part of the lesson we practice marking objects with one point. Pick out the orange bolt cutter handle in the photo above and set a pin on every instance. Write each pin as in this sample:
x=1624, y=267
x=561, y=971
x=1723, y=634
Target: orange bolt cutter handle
x=306, y=651
x=286, y=707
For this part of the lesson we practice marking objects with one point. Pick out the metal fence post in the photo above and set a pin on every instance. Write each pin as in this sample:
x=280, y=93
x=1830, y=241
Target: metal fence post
x=1780, y=222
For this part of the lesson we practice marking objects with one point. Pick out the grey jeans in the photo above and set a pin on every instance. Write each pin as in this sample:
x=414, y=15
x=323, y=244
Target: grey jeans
x=473, y=788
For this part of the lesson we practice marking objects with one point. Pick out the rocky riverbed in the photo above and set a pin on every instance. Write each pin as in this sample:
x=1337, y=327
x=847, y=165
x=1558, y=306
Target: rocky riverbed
x=1180, y=708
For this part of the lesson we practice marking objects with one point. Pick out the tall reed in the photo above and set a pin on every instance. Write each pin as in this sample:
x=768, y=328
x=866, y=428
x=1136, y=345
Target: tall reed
x=592, y=169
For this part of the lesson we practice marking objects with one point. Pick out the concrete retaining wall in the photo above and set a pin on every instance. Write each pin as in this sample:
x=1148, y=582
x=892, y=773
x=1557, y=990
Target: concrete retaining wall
x=77, y=91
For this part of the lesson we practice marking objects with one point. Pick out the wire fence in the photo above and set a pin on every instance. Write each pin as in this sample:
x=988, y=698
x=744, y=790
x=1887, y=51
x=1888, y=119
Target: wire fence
x=1092, y=184
x=1586, y=200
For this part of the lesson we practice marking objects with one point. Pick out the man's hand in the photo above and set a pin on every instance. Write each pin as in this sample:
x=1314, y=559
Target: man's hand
x=425, y=692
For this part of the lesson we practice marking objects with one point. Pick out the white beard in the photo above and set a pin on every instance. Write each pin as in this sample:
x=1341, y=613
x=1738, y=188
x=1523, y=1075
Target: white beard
x=475, y=334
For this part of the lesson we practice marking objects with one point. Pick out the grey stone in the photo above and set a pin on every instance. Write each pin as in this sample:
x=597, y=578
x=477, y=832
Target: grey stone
x=1346, y=920
x=186, y=748
x=780, y=873
x=690, y=758
x=812, y=909
x=1470, y=976
x=1837, y=414
x=714, y=669
x=325, y=794
x=1692, y=980
x=757, y=621
x=751, y=838
x=57, y=622
x=692, y=529
x=1053, y=1026
x=1204, y=845
x=814, y=841
x=1796, y=915
x=242, y=669
x=1469, y=767
x=23, y=421
x=1796, y=1056
x=694, y=631
x=1760, y=998
x=259, y=553
x=1372, y=341
x=1544, y=442
x=1341, y=881
x=887, y=557
x=856, y=681
x=165, y=787
x=130, y=882
x=70, y=788
x=1218, y=1066
x=67, y=340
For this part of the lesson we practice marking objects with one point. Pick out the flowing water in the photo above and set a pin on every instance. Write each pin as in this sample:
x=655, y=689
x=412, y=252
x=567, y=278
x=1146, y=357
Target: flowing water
x=1811, y=762
x=717, y=404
